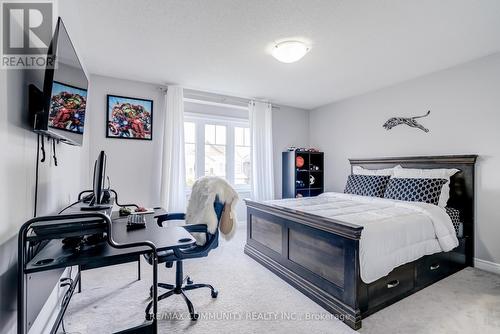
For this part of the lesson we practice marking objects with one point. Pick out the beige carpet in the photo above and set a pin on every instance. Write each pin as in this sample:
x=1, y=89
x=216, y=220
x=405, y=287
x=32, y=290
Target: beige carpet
x=253, y=300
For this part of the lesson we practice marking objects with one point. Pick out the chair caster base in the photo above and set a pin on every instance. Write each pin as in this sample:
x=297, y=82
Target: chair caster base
x=179, y=289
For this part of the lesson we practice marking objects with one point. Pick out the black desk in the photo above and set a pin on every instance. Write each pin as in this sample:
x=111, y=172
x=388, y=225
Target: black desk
x=122, y=246
x=164, y=238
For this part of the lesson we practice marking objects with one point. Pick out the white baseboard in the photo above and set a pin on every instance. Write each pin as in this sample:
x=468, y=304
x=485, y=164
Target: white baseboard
x=491, y=267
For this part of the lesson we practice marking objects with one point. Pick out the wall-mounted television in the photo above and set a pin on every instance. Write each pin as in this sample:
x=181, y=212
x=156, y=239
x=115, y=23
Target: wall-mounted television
x=59, y=111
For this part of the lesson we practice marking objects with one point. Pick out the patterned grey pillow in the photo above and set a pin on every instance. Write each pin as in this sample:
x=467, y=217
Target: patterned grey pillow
x=366, y=185
x=415, y=190
x=455, y=219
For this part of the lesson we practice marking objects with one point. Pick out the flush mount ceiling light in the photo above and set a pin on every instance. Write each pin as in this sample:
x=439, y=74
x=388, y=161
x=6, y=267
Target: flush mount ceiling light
x=289, y=51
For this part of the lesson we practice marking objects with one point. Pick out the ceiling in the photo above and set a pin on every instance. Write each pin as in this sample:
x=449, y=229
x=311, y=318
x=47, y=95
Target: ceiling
x=222, y=46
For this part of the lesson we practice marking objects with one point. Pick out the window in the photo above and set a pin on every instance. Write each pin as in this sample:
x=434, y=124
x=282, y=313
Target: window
x=242, y=167
x=217, y=146
x=215, y=150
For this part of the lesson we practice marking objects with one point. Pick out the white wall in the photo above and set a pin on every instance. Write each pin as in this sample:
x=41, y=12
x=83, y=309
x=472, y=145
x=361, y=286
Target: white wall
x=58, y=186
x=290, y=128
x=465, y=118
x=133, y=166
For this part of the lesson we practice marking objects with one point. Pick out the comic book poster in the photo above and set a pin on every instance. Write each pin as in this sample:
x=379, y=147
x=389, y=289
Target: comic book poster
x=129, y=118
x=67, y=107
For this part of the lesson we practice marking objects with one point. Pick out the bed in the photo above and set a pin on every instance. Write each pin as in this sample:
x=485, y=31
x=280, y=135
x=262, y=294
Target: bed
x=319, y=254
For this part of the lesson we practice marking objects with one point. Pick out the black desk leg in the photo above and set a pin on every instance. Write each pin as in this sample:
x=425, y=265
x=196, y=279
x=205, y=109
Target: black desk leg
x=139, y=268
x=155, y=293
x=80, y=279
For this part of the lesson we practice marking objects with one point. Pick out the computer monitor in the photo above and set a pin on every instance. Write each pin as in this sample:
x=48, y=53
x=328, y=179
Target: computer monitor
x=99, y=181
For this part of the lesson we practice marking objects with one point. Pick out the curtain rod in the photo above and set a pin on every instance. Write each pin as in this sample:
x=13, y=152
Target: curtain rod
x=218, y=98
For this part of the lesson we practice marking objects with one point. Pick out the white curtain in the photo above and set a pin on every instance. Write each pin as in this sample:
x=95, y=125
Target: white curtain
x=173, y=197
x=261, y=126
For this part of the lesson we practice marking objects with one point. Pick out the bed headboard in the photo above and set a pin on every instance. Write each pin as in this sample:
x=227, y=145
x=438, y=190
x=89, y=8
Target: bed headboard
x=461, y=184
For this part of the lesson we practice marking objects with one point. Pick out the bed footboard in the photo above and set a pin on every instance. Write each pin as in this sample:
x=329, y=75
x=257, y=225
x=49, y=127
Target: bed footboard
x=317, y=256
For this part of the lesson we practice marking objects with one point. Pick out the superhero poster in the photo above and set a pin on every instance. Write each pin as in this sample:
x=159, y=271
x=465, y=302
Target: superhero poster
x=67, y=107
x=129, y=118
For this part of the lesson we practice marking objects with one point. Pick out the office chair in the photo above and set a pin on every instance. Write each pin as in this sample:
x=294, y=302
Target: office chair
x=190, y=252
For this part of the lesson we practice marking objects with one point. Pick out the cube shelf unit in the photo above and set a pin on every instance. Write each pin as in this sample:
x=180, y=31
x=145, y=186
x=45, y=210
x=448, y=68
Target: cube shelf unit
x=296, y=180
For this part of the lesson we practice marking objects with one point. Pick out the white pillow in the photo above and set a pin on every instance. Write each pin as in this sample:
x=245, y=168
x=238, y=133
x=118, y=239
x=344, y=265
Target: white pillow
x=439, y=173
x=358, y=170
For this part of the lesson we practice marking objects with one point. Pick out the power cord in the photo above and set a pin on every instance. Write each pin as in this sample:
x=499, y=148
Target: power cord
x=72, y=204
x=64, y=282
x=39, y=147
x=116, y=200
x=36, y=172
x=42, y=148
x=54, y=151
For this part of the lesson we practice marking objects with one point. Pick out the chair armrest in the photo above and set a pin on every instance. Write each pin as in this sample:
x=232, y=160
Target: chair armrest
x=170, y=216
x=196, y=228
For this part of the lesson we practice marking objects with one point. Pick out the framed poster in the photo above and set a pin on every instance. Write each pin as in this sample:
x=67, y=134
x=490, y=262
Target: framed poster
x=129, y=118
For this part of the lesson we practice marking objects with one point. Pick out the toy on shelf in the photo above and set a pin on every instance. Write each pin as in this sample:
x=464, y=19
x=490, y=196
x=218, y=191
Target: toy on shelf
x=299, y=161
x=300, y=184
x=314, y=168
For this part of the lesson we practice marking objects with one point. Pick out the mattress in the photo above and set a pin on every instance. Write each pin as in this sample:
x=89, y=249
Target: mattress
x=394, y=232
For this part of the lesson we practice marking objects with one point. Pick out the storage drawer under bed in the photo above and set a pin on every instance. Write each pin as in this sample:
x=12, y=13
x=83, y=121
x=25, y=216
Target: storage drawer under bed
x=417, y=274
x=434, y=267
x=431, y=268
x=399, y=281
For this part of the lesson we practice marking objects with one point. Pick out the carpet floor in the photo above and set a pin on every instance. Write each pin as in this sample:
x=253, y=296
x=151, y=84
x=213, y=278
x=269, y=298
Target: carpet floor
x=253, y=300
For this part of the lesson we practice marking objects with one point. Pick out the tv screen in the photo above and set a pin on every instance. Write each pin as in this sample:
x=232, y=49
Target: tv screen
x=65, y=91
x=67, y=107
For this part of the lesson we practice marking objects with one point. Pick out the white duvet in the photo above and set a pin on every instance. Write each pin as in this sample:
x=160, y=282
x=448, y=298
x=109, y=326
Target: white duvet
x=394, y=232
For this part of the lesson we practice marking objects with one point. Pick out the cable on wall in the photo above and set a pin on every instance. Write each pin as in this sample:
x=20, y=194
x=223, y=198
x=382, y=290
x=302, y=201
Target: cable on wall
x=38, y=148
x=54, y=151
x=71, y=205
x=42, y=147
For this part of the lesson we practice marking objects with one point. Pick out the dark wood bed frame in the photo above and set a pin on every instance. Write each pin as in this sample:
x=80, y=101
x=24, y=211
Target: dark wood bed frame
x=320, y=256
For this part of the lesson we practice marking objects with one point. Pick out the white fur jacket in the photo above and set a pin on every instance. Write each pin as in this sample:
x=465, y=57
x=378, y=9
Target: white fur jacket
x=200, y=208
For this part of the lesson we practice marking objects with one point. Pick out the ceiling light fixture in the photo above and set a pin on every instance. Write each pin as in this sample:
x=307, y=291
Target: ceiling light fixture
x=289, y=51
